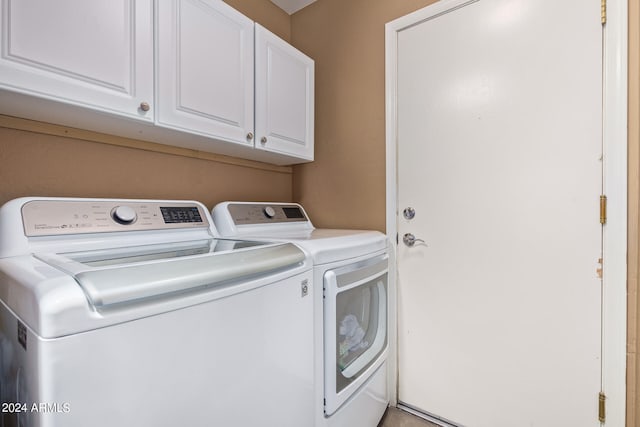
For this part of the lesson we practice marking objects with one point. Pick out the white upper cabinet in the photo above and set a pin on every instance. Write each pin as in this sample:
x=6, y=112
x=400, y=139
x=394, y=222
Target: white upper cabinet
x=284, y=97
x=205, y=69
x=93, y=54
x=191, y=73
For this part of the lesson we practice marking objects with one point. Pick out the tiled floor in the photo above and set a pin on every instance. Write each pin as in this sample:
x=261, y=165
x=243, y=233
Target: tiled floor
x=397, y=418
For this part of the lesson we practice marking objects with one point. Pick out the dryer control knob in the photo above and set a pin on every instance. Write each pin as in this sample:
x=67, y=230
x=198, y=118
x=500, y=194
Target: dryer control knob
x=269, y=212
x=124, y=214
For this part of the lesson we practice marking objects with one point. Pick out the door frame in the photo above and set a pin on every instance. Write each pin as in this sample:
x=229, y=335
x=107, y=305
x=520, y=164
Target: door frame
x=614, y=294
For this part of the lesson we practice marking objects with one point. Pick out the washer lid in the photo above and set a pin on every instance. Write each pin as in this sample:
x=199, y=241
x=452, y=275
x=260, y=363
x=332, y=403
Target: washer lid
x=134, y=274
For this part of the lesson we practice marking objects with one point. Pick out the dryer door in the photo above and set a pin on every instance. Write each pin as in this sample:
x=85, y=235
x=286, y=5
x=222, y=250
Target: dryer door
x=355, y=329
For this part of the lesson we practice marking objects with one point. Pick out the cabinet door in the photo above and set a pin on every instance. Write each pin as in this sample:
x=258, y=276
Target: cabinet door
x=95, y=54
x=284, y=97
x=205, y=69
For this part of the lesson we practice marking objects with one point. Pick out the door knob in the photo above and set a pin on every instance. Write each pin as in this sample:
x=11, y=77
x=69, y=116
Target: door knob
x=410, y=240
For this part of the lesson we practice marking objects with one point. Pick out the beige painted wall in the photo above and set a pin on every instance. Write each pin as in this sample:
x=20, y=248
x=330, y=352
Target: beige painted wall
x=266, y=14
x=35, y=164
x=345, y=186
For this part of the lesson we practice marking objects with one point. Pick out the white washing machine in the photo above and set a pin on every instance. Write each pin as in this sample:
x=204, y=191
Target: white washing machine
x=351, y=339
x=133, y=313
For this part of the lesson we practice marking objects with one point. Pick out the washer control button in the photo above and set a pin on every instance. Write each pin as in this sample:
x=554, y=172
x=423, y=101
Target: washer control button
x=269, y=212
x=124, y=214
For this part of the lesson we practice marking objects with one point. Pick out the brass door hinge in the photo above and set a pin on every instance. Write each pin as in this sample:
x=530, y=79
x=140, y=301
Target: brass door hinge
x=601, y=407
x=599, y=269
x=603, y=11
x=603, y=209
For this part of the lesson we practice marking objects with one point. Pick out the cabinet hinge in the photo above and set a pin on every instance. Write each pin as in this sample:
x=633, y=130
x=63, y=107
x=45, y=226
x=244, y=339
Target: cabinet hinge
x=602, y=398
x=603, y=209
x=603, y=11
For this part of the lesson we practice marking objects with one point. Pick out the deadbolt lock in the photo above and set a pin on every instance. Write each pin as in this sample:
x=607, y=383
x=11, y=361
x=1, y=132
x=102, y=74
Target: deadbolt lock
x=409, y=213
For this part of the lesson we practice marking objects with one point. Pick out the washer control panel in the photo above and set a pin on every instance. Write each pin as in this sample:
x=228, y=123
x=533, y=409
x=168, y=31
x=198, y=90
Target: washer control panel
x=261, y=213
x=56, y=217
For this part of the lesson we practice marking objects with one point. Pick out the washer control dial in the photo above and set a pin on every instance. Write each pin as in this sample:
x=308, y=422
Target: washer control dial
x=124, y=214
x=269, y=212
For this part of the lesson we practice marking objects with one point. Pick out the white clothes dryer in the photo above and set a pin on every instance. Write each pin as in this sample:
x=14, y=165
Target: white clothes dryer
x=351, y=315
x=134, y=313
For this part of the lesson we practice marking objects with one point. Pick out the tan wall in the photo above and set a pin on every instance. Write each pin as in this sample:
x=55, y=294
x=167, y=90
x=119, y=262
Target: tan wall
x=633, y=279
x=266, y=14
x=345, y=186
x=36, y=164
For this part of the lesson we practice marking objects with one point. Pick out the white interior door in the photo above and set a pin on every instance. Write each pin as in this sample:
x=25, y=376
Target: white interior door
x=499, y=146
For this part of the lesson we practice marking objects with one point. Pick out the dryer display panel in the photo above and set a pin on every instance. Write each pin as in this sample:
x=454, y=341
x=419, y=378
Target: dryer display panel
x=293, y=213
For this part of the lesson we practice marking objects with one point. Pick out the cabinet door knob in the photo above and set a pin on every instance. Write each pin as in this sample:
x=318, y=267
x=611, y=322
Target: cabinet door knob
x=249, y=136
x=263, y=139
x=144, y=106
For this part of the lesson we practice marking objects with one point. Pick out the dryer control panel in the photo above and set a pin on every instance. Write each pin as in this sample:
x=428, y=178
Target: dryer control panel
x=266, y=213
x=57, y=217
